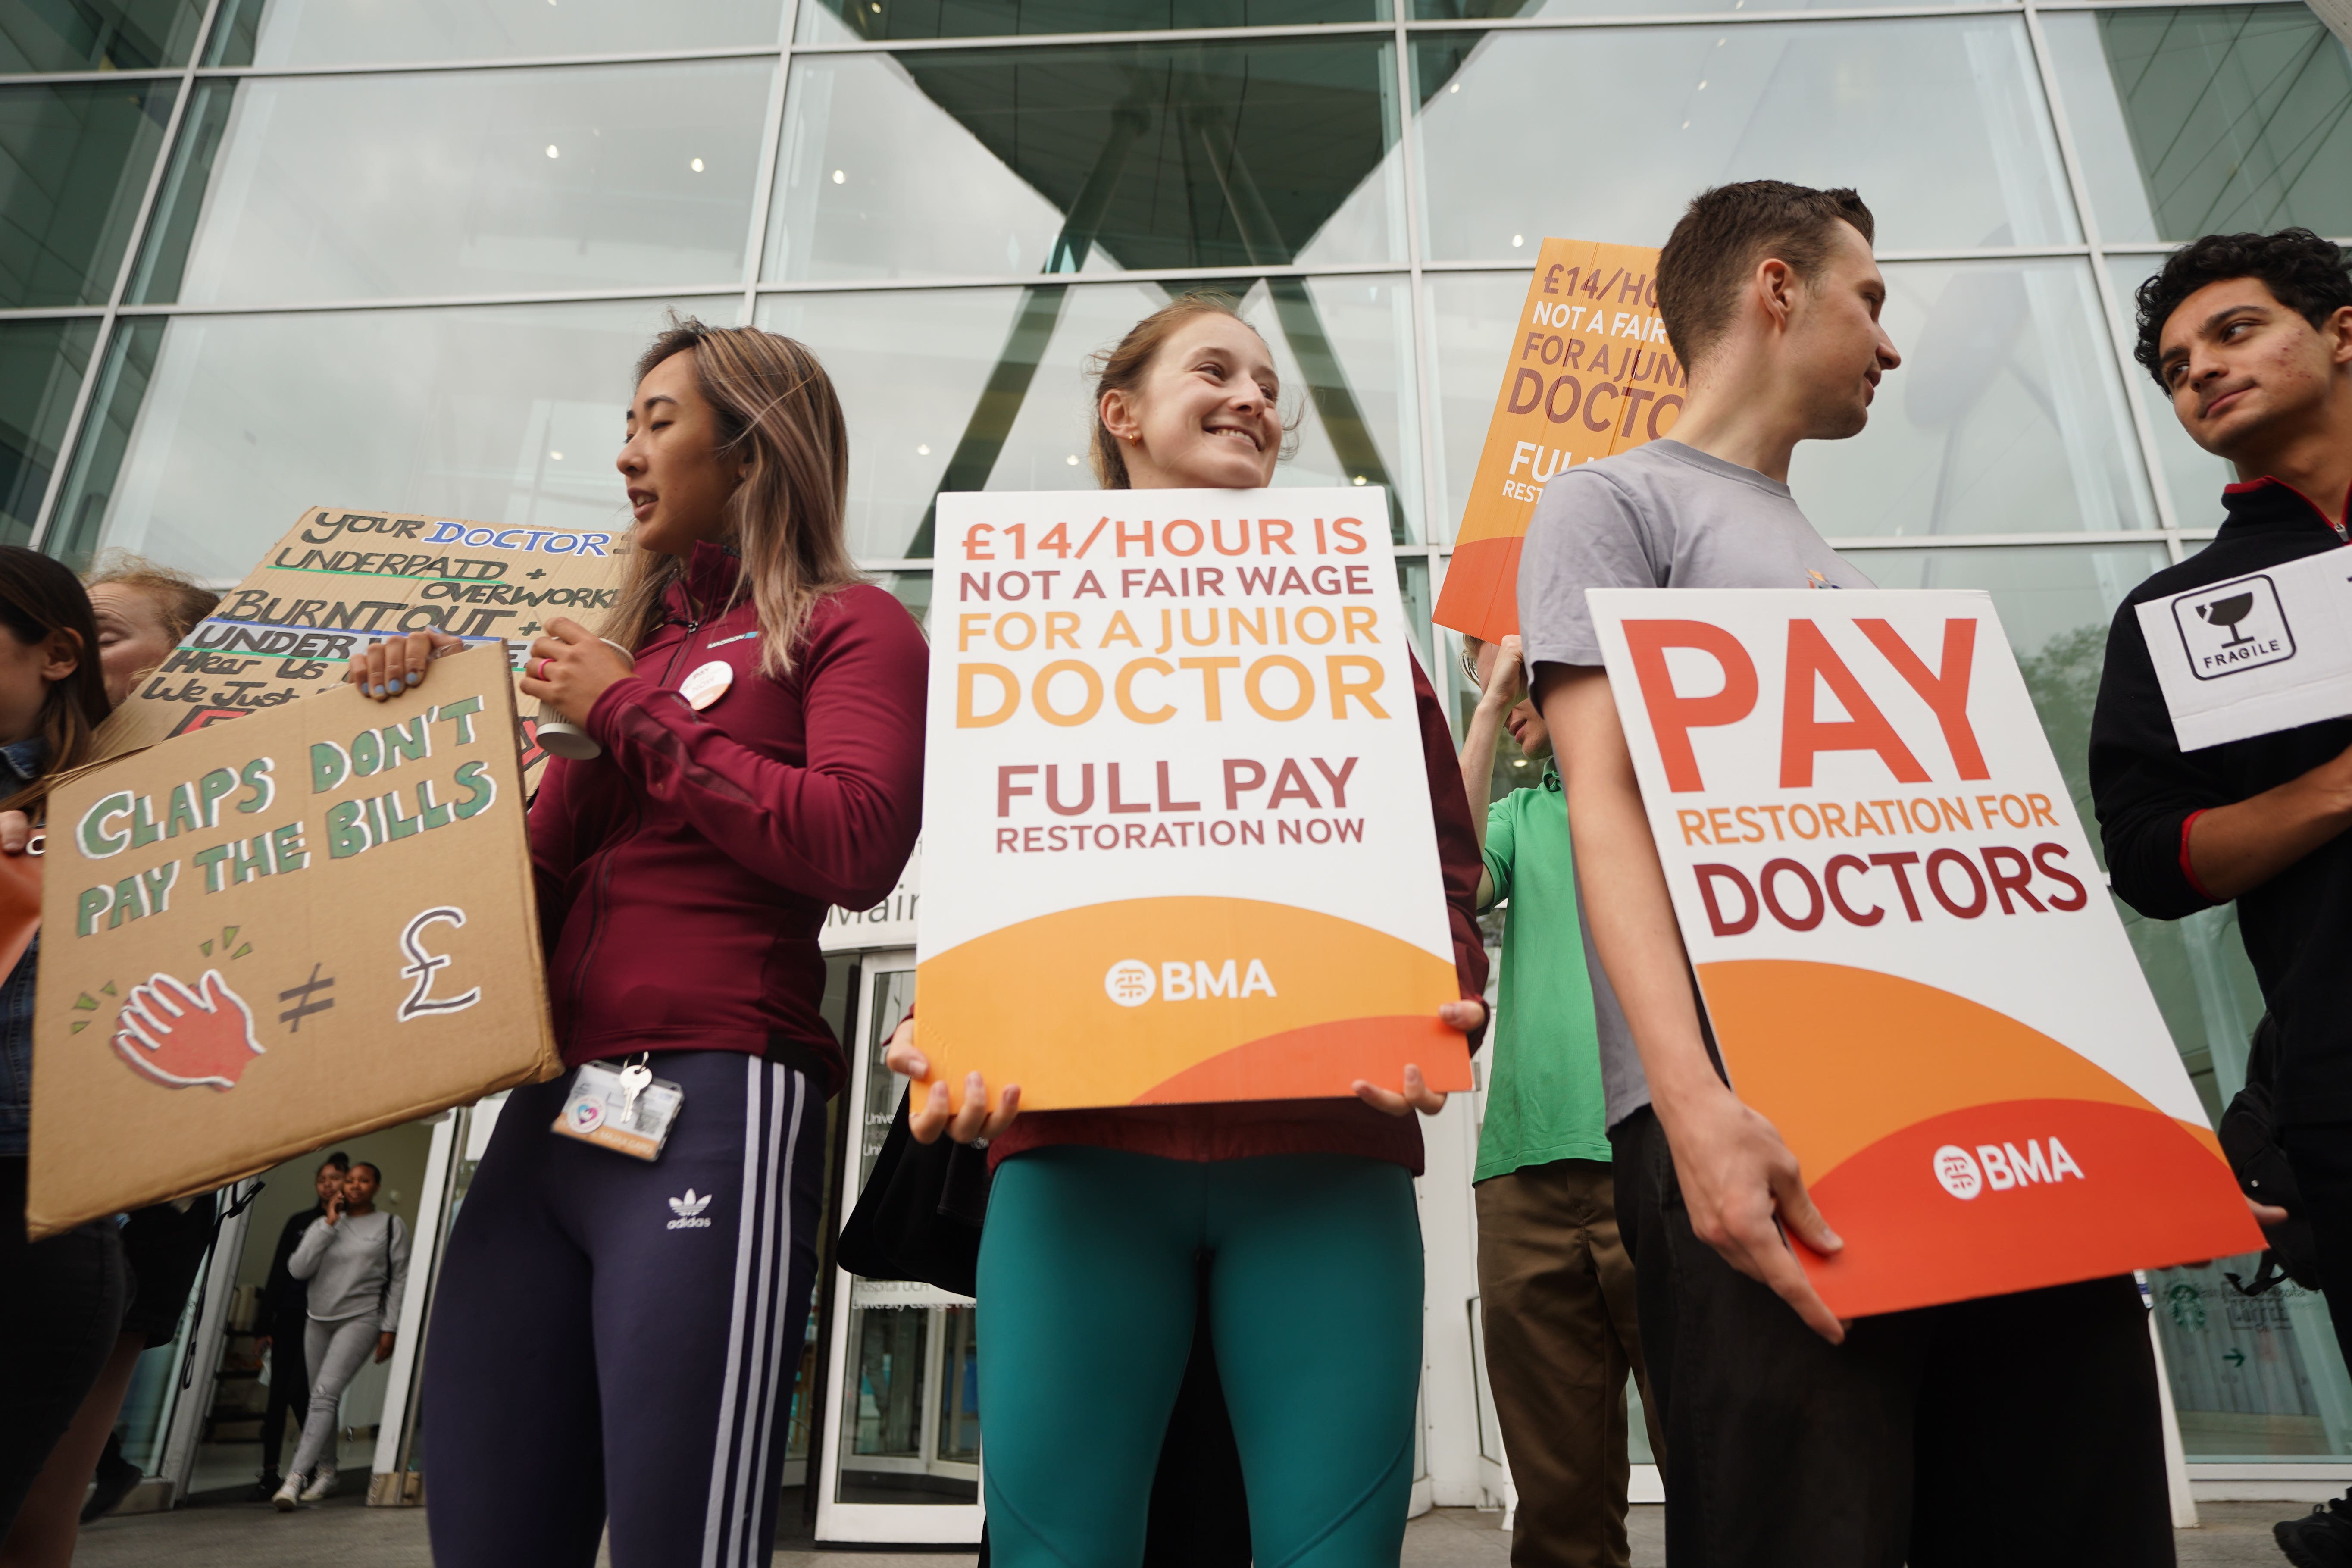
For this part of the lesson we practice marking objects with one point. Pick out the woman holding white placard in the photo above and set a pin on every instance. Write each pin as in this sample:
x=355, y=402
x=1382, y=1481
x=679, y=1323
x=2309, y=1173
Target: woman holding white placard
x=1302, y=1210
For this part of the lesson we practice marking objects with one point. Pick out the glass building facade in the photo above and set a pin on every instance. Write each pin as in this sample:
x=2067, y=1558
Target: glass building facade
x=257, y=255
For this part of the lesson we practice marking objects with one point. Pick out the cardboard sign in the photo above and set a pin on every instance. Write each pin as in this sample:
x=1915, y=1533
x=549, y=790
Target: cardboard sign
x=261, y=936
x=1906, y=951
x=2254, y=654
x=342, y=579
x=1588, y=374
x=1176, y=825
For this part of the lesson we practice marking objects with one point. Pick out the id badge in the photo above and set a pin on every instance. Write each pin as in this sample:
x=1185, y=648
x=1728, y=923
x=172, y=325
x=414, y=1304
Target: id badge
x=626, y=1109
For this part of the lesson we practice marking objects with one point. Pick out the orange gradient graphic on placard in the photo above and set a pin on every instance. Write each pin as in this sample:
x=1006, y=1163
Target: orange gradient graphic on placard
x=1247, y=1001
x=1588, y=374
x=1869, y=1076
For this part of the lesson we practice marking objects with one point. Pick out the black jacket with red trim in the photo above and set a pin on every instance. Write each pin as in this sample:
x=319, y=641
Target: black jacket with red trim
x=2147, y=791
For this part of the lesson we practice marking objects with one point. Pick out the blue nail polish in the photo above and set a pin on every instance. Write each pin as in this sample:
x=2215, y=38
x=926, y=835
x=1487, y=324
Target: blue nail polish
x=376, y=691
x=397, y=684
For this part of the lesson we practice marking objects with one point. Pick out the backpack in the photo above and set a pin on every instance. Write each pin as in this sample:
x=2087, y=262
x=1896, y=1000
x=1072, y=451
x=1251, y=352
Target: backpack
x=2250, y=1139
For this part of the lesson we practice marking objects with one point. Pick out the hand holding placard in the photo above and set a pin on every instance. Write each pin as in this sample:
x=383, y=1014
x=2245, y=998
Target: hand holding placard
x=1887, y=904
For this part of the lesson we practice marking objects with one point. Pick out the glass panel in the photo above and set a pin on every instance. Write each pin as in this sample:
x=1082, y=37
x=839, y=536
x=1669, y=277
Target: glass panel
x=98, y=35
x=2055, y=604
x=2208, y=121
x=834, y=21
x=986, y=388
x=1413, y=589
x=2006, y=416
x=202, y=447
x=1106, y=158
x=1939, y=122
x=1471, y=315
x=74, y=163
x=2193, y=475
x=1479, y=10
x=910, y=1422
x=2252, y=1378
x=365, y=32
x=912, y=589
x=358, y=187
x=41, y=366
x=959, y=1386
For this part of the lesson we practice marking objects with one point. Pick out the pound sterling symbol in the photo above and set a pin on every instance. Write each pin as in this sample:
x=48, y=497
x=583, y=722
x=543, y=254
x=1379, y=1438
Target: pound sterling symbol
x=423, y=964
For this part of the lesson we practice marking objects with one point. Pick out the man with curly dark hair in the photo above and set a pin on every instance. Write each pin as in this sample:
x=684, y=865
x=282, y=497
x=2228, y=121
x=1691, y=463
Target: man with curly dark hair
x=2250, y=334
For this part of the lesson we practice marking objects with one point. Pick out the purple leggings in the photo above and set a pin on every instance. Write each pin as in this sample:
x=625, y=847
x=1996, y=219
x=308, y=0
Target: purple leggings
x=615, y=1340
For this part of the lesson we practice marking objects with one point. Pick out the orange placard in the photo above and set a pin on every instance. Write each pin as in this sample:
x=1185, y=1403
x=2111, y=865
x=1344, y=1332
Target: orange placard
x=1589, y=374
x=1907, y=959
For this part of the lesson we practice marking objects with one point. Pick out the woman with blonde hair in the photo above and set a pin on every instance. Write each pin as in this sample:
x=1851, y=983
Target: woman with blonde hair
x=1301, y=1212
x=613, y=1338
x=142, y=609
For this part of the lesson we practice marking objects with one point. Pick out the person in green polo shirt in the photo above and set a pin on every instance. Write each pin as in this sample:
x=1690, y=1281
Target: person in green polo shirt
x=1555, y=1285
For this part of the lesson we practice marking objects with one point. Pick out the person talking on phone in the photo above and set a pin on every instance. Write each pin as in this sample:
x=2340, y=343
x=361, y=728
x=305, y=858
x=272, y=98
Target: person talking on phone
x=356, y=1260
x=1301, y=1211
x=630, y=1274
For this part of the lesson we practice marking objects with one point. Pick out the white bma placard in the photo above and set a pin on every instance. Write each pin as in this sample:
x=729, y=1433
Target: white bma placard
x=2256, y=654
x=1177, y=828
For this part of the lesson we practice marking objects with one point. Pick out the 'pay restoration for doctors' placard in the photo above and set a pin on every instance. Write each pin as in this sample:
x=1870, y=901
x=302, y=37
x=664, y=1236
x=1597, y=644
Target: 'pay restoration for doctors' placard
x=1910, y=961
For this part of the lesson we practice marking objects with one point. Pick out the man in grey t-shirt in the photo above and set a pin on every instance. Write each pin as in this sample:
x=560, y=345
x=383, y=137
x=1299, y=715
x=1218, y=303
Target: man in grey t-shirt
x=1791, y=1439
x=1660, y=516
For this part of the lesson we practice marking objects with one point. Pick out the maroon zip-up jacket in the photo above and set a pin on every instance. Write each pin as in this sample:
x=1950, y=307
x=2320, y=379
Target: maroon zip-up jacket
x=683, y=875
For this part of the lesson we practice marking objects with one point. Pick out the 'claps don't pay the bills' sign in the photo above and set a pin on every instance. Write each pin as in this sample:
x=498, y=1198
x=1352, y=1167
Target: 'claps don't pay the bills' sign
x=260, y=936
x=1177, y=838
x=1906, y=953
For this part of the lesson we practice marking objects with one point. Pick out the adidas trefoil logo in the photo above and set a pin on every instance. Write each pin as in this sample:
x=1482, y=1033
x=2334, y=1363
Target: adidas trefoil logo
x=689, y=1210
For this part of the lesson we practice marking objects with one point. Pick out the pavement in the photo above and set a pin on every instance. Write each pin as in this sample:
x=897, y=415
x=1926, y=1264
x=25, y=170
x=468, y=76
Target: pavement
x=346, y=1534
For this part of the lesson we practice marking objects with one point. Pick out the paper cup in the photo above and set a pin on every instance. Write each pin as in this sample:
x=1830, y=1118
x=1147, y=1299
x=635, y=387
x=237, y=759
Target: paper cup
x=561, y=738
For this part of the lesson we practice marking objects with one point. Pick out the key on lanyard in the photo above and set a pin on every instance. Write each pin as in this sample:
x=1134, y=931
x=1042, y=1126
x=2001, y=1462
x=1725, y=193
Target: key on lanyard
x=634, y=1079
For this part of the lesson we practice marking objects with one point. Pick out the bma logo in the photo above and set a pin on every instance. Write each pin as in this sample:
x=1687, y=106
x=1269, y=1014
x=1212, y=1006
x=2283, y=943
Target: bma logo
x=1131, y=981
x=689, y=1210
x=2232, y=626
x=2001, y=1167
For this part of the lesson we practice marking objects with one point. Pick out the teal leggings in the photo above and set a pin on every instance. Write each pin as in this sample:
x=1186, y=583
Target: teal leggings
x=1087, y=1290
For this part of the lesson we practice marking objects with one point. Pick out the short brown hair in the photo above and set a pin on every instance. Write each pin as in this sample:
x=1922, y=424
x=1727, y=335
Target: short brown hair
x=1725, y=234
x=181, y=599
x=1122, y=369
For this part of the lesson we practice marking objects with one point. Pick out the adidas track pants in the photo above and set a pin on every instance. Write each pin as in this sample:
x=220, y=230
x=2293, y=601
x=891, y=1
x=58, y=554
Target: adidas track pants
x=616, y=1340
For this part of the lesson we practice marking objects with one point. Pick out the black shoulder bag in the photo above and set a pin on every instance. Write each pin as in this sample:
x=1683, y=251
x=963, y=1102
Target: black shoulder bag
x=2250, y=1139
x=920, y=1215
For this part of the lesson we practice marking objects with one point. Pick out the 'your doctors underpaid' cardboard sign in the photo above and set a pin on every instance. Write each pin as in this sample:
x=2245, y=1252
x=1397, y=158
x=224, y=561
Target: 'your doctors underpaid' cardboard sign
x=1908, y=959
x=2255, y=655
x=260, y=937
x=1177, y=841
x=1588, y=374
x=340, y=580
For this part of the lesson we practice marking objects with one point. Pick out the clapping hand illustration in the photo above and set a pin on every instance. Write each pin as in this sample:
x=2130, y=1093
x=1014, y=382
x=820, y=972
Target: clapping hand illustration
x=183, y=1037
